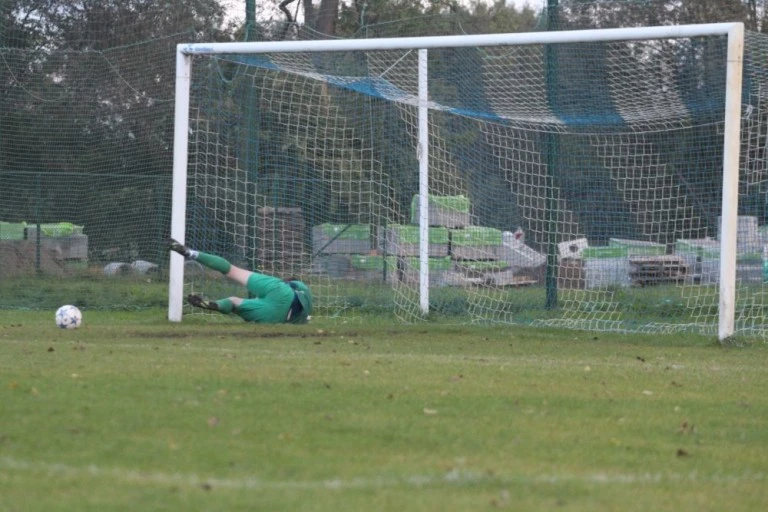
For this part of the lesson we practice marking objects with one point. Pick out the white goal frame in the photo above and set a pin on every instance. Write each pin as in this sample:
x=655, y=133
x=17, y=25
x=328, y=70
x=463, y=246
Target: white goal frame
x=729, y=212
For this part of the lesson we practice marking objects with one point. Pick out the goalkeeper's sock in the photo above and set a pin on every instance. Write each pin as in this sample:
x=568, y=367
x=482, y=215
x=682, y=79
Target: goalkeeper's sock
x=211, y=261
x=224, y=306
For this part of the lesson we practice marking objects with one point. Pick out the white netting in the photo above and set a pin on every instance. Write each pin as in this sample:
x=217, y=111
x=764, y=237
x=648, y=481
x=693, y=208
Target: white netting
x=574, y=185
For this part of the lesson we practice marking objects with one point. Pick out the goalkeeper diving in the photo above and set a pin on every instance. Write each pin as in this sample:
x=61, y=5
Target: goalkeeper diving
x=271, y=300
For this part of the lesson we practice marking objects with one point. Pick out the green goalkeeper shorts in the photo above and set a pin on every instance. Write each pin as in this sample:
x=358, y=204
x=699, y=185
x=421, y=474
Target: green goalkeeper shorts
x=270, y=300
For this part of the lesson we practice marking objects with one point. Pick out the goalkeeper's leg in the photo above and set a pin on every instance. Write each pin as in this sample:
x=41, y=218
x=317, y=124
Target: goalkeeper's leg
x=212, y=261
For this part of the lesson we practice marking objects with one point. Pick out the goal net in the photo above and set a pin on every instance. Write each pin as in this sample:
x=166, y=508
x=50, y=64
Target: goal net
x=579, y=179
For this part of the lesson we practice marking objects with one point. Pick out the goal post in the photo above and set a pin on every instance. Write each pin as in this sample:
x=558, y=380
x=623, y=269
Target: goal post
x=361, y=191
x=731, y=152
x=179, y=195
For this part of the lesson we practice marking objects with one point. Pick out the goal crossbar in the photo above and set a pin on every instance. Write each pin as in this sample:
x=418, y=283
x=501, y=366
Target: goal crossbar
x=420, y=43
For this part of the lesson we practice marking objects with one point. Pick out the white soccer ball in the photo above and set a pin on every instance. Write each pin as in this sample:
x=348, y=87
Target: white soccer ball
x=68, y=317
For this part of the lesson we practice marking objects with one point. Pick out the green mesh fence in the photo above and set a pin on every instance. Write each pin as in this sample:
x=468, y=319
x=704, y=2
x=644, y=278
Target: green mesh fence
x=86, y=135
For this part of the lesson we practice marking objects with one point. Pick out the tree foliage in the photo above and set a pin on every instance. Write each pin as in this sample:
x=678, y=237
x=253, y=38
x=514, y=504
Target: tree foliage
x=575, y=14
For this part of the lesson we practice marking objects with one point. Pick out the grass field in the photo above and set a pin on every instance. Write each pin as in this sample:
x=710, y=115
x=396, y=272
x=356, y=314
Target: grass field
x=130, y=412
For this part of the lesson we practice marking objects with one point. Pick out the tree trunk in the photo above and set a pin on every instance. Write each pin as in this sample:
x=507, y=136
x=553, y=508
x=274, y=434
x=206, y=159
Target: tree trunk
x=326, y=17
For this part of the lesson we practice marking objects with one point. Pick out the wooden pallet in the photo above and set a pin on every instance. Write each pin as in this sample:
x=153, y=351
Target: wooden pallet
x=654, y=270
x=281, y=249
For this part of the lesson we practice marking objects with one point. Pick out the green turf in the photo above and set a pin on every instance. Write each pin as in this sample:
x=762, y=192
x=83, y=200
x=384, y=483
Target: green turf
x=130, y=412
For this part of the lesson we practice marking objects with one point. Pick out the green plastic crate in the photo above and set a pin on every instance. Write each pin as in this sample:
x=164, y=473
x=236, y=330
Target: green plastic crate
x=12, y=230
x=485, y=266
x=639, y=247
x=604, y=252
x=476, y=243
x=476, y=236
x=448, y=211
x=359, y=262
x=456, y=203
x=705, y=248
x=54, y=229
x=403, y=240
x=435, y=264
x=408, y=234
x=341, y=239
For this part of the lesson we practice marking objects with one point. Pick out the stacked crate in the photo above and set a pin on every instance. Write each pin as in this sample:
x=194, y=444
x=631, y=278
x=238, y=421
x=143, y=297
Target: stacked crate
x=459, y=253
x=445, y=211
x=622, y=263
x=64, y=240
x=62, y=248
x=476, y=243
x=338, y=248
x=398, y=268
x=403, y=240
x=479, y=254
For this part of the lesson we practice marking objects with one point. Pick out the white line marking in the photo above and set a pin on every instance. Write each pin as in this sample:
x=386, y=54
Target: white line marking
x=452, y=478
